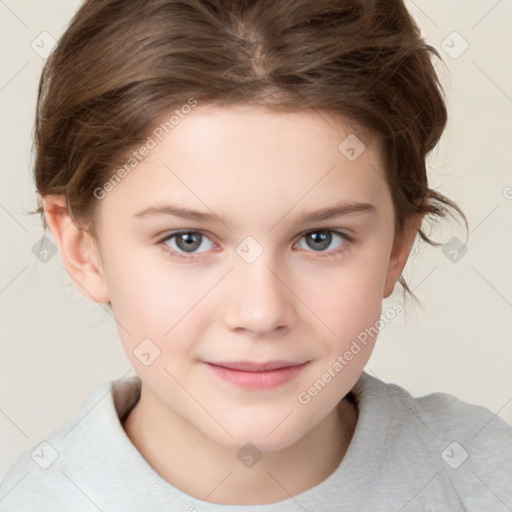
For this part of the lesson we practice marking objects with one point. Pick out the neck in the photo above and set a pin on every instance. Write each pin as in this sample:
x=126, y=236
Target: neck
x=203, y=469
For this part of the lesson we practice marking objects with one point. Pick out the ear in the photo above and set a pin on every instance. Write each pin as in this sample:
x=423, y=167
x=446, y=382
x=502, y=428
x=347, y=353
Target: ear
x=400, y=253
x=78, y=249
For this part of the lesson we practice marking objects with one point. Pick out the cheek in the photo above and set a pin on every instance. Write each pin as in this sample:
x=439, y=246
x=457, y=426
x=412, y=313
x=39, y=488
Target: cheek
x=349, y=299
x=155, y=300
x=145, y=287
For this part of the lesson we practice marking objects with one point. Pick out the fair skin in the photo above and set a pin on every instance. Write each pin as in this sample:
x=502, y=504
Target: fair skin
x=298, y=301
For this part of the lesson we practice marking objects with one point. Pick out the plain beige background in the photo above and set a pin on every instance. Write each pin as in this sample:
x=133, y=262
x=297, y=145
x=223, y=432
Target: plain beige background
x=56, y=345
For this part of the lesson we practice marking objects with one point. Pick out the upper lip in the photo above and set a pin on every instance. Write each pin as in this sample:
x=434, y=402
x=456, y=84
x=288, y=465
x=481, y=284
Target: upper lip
x=251, y=366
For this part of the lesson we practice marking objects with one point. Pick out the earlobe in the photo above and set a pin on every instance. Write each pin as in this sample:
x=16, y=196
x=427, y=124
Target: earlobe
x=78, y=250
x=400, y=254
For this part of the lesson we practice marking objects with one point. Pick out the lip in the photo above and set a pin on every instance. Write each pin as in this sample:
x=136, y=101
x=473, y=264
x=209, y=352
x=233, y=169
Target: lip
x=252, y=366
x=253, y=375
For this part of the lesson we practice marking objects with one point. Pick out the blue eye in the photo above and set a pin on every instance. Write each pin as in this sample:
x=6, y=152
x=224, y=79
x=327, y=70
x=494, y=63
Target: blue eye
x=185, y=243
x=321, y=239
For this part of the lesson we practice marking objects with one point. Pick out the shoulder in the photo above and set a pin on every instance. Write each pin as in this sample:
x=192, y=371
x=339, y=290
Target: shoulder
x=442, y=412
x=438, y=411
x=47, y=475
x=467, y=448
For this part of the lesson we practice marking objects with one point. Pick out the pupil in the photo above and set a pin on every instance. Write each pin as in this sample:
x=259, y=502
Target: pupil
x=321, y=240
x=321, y=237
x=190, y=243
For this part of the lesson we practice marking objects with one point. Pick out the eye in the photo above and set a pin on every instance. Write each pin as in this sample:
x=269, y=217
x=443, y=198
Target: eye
x=321, y=239
x=184, y=244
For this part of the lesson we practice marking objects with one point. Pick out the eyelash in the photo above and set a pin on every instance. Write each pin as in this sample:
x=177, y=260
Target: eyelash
x=192, y=257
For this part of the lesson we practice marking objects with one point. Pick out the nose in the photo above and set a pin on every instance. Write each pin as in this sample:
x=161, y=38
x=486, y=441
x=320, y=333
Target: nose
x=259, y=302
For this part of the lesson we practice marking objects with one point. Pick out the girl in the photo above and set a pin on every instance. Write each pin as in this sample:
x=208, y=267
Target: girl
x=241, y=183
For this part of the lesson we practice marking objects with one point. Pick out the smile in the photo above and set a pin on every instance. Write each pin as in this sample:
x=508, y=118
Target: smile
x=252, y=375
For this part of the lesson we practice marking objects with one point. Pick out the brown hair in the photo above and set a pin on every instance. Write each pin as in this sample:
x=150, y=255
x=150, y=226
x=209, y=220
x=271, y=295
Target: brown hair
x=122, y=64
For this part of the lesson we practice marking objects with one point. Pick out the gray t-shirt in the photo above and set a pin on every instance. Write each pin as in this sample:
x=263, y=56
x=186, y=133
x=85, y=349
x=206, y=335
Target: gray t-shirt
x=407, y=454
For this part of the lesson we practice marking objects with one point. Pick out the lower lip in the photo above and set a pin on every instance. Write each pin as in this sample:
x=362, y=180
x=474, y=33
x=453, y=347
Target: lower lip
x=258, y=380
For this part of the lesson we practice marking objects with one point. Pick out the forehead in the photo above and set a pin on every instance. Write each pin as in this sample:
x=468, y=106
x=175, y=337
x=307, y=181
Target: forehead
x=242, y=134
x=254, y=158
x=246, y=121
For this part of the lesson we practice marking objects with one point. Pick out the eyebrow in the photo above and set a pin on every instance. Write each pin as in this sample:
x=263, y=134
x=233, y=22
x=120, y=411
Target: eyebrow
x=198, y=216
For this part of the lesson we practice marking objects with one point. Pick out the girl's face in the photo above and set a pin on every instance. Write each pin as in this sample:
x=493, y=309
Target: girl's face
x=268, y=269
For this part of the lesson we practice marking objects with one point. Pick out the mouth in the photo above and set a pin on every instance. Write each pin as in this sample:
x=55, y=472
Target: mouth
x=253, y=375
